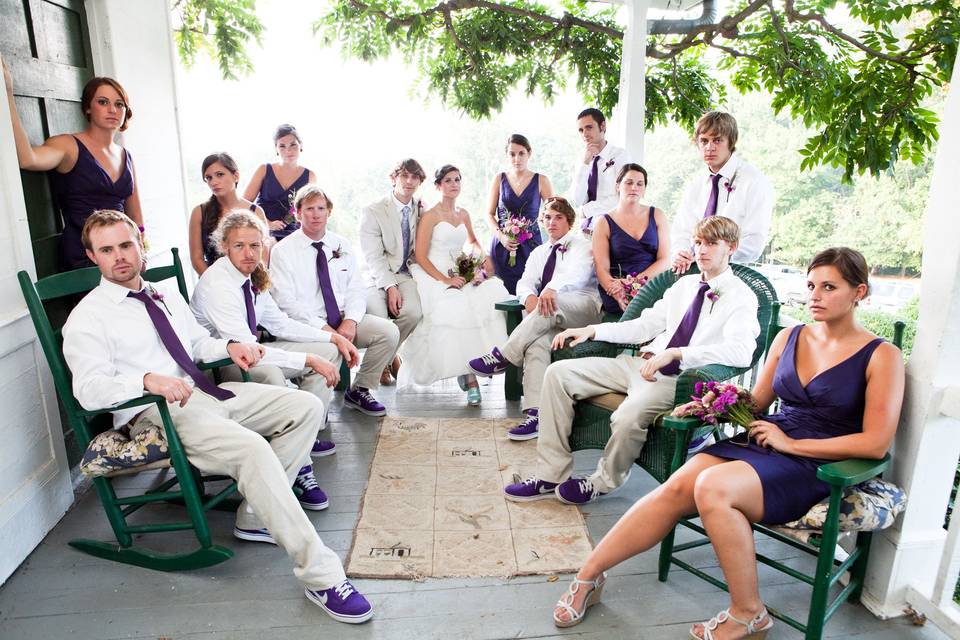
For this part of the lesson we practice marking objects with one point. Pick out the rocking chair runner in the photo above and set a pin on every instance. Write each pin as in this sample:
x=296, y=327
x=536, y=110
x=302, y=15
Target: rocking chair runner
x=88, y=423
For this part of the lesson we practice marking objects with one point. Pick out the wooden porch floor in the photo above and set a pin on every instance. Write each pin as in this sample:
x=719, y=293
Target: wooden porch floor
x=61, y=593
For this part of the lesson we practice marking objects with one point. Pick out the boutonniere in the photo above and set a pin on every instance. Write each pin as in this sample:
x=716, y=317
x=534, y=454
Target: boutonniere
x=713, y=295
x=156, y=295
x=339, y=252
x=562, y=249
x=609, y=164
x=729, y=185
x=255, y=290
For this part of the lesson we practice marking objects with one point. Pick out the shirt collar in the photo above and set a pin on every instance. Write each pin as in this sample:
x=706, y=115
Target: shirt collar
x=721, y=278
x=607, y=150
x=117, y=293
x=729, y=168
x=232, y=272
x=399, y=205
x=307, y=240
x=569, y=236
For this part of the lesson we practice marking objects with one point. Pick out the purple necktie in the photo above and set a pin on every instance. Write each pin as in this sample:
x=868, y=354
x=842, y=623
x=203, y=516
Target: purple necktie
x=711, y=209
x=592, y=180
x=251, y=314
x=681, y=337
x=549, y=267
x=175, y=348
x=326, y=288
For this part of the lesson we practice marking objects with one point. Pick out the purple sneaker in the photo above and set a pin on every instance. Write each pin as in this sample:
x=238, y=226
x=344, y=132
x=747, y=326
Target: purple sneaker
x=577, y=491
x=528, y=429
x=323, y=448
x=529, y=490
x=490, y=364
x=359, y=398
x=699, y=444
x=253, y=535
x=342, y=602
x=312, y=496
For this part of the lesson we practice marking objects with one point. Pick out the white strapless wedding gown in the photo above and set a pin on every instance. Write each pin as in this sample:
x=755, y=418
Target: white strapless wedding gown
x=457, y=324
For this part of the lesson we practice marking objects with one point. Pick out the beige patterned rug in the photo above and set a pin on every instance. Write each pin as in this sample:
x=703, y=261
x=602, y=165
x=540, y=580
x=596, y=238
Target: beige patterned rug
x=434, y=506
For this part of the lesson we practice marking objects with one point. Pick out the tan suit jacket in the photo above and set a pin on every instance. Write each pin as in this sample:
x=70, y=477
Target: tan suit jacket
x=381, y=239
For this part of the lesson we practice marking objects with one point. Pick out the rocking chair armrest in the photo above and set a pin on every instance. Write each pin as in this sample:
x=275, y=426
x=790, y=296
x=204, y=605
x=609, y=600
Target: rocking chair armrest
x=711, y=372
x=150, y=398
x=510, y=306
x=846, y=473
x=219, y=364
x=588, y=349
x=688, y=423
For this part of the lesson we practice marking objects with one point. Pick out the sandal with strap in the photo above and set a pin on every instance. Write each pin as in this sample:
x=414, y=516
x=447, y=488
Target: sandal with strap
x=755, y=631
x=565, y=603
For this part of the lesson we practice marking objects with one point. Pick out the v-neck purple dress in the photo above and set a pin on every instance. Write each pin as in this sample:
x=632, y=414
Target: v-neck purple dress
x=526, y=205
x=629, y=255
x=79, y=192
x=275, y=200
x=830, y=405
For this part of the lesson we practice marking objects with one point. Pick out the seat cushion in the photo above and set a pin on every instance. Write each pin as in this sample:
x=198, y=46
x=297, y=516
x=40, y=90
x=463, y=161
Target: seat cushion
x=114, y=451
x=609, y=401
x=868, y=506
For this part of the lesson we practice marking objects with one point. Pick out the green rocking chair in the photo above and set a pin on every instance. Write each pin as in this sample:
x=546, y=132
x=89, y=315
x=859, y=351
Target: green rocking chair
x=87, y=424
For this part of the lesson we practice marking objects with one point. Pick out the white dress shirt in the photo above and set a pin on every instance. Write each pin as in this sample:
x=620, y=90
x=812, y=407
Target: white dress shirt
x=745, y=196
x=296, y=286
x=612, y=159
x=726, y=331
x=219, y=306
x=110, y=344
x=574, y=271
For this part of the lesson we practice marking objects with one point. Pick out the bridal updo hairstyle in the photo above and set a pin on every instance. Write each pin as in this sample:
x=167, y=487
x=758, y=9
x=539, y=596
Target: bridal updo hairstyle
x=243, y=219
x=442, y=172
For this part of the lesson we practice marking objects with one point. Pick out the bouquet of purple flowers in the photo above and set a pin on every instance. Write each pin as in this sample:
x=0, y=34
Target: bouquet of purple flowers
x=715, y=402
x=468, y=266
x=517, y=228
x=632, y=285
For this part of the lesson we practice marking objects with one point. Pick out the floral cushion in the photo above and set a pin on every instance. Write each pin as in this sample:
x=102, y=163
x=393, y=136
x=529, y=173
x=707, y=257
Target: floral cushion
x=115, y=451
x=868, y=506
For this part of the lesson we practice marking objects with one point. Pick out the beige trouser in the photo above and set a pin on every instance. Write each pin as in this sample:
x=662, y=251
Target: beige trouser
x=569, y=381
x=380, y=338
x=309, y=379
x=228, y=438
x=529, y=344
x=410, y=311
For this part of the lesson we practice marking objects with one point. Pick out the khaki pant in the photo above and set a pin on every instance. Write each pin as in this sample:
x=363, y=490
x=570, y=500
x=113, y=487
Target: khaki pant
x=228, y=438
x=569, y=381
x=529, y=344
x=410, y=312
x=380, y=338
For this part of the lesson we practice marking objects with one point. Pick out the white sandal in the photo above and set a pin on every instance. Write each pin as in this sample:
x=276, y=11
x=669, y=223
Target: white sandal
x=754, y=632
x=565, y=603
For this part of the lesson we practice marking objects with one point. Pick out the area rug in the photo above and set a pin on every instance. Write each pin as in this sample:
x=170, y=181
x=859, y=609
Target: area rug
x=434, y=506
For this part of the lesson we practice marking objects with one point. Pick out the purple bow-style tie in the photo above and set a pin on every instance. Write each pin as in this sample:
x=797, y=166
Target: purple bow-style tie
x=251, y=313
x=711, y=209
x=549, y=267
x=681, y=337
x=326, y=288
x=175, y=348
x=592, y=180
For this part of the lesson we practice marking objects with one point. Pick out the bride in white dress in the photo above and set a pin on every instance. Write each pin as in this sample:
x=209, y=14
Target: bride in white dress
x=459, y=320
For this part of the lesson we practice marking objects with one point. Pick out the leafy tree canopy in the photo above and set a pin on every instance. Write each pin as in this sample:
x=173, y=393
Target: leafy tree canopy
x=862, y=89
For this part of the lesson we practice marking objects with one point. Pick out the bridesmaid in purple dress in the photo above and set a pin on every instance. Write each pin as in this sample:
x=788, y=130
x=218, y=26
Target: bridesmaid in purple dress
x=515, y=192
x=633, y=238
x=89, y=171
x=840, y=389
x=274, y=184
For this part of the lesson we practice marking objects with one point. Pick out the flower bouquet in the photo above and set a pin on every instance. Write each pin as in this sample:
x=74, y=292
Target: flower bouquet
x=291, y=216
x=632, y=284
x=715, y=402
x=517, y=228
x=468, y=266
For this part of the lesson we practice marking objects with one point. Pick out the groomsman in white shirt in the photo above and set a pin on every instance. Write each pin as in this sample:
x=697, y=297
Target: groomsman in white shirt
x=231, y=300
x=731, y=187
x=388, y=232
x=594, y=185
x=702, y=319
x=316, y=280
x=558, y=290
x=126, y=338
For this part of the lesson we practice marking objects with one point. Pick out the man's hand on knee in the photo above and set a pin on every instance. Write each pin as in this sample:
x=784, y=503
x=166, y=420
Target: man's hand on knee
x=394, y=301
x=172, y=389
x=346, y=348
x=325, y=368
x=245, y=355
x=576, y=336
x=548, y=303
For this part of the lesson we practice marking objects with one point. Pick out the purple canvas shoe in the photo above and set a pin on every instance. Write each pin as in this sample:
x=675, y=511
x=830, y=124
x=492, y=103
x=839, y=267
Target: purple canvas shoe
x=529, y=490
x=312, y=496
x=323, y=448
x=253, y=535
x=577, y=491
x=342, y=602
x=490, y=364
x=359, y=398
x=528, y=429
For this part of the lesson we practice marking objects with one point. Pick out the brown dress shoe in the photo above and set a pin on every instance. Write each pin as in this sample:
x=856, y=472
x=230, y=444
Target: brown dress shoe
x=386, y=379
x=395, y=366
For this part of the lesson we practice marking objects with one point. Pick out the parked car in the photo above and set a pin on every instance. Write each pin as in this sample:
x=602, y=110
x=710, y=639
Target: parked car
x=789, y=282
x=891, y=295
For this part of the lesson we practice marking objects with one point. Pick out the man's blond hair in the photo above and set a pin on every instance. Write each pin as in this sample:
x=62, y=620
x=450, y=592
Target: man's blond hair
x=106, y=218
x=308, y=192
x=719, y=123
x=717, y=228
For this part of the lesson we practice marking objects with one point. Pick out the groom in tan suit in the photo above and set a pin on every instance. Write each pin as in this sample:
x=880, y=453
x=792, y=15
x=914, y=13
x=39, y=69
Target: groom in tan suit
x=387, y=237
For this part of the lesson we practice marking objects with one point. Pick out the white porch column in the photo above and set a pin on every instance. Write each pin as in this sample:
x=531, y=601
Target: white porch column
x=928, y=440
x=630, y=111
